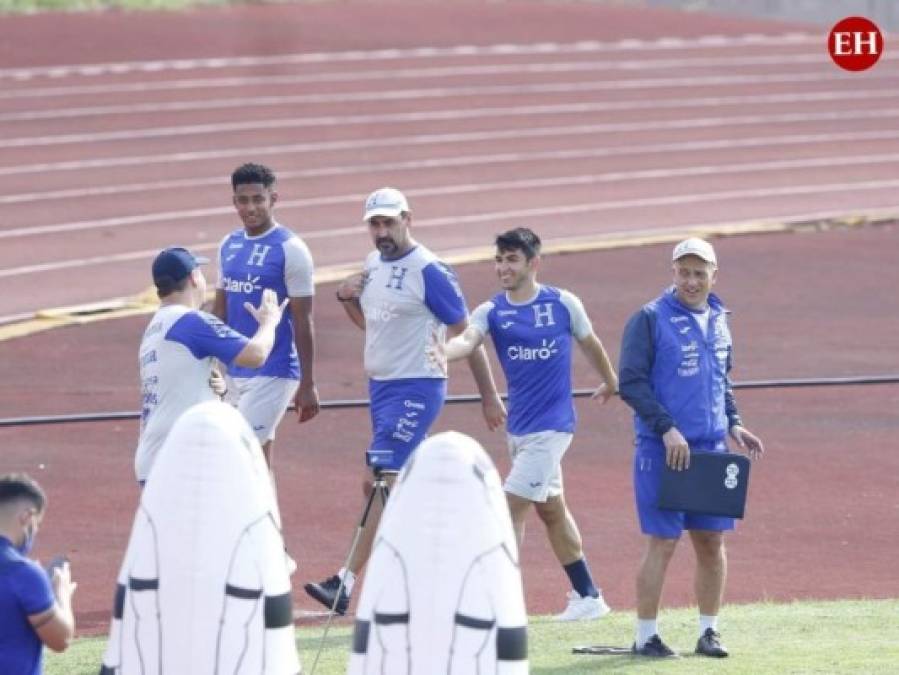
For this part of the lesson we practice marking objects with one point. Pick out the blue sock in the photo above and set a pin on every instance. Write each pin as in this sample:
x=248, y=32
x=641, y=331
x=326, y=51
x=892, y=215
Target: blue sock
x=581, y=581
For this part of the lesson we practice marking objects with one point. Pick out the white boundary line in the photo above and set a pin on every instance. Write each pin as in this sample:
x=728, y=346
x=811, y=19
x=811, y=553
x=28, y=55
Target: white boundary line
x=530, y=157
x=427, y=139
x=660, y=44
x=453, y=115
x=393, y=75
x=568, y=209
x=510, y=90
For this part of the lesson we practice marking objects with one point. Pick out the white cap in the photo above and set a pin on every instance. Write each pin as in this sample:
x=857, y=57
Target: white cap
x=387, y=201
x=697, y=247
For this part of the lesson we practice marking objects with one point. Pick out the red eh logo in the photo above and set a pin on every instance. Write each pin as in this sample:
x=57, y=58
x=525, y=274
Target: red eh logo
x=855, y=43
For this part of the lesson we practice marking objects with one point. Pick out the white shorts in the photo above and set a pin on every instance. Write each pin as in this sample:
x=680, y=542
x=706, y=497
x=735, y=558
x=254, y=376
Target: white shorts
x=262, y=401
x=537, y=464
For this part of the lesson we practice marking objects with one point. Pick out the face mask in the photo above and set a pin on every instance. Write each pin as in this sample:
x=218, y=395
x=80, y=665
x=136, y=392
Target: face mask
x=25, y=547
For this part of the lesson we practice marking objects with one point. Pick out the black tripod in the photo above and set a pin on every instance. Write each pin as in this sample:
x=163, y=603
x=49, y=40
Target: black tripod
x=379, y=489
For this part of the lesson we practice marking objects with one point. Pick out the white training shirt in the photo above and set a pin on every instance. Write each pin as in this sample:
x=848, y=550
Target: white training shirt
x=407, y=303
x=176, y=355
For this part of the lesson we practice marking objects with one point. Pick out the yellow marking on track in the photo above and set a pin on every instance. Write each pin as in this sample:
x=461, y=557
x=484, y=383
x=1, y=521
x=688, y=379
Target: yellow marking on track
x=146, y=302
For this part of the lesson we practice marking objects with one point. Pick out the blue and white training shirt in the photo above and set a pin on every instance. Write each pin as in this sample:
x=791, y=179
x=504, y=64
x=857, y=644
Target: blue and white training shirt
x=279, y=260
x=407, y=302
x=176, y=355
x=533, y=343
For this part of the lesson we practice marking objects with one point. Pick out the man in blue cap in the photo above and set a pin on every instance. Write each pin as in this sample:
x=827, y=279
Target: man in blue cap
x=180, y=344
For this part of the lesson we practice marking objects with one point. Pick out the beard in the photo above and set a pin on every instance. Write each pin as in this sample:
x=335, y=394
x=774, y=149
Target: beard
x=387, y=246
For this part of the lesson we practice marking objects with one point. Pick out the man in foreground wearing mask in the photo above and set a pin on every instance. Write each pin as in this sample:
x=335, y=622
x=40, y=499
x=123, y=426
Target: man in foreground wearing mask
x=35, y=609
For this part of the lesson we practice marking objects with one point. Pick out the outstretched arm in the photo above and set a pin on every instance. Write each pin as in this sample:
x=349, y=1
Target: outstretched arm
x=463, y=344
x=491, y=404
x=268, y=316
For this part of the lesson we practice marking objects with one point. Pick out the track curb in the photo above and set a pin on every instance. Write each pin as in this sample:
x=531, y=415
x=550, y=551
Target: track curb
x=146, y=302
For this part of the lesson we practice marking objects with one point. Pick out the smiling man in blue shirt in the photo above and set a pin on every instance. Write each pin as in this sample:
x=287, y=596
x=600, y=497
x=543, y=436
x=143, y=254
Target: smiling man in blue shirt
x=534, y=327
x=676, y=356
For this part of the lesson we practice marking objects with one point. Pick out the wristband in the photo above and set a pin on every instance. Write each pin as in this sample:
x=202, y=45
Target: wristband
x=337, y=293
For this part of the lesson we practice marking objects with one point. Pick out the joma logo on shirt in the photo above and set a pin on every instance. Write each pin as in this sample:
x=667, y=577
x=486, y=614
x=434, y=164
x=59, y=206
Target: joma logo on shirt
x=237, y=286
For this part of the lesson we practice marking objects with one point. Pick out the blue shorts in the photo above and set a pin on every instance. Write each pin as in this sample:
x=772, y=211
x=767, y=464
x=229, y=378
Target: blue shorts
x=402, y=411
x=649, y=460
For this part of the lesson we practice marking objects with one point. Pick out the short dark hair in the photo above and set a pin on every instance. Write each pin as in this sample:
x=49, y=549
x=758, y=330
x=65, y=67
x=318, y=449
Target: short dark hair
x=15, y=486
x=519, y=239
x=252, y=173
x=166, y=286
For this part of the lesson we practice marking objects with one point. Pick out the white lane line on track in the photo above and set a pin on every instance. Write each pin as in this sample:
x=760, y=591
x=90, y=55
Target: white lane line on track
x=592, y=207
x=602, y=67
x=441, y=116
x=427, y=139
x=468, y=188
x=458, y=92
x=529, y=157
x=661, y=44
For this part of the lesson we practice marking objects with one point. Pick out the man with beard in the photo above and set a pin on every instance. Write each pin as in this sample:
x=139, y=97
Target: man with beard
x=405, y=300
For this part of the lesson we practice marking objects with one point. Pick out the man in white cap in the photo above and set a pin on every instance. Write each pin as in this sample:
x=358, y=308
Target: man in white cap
x=676, y=355
x=406, y=300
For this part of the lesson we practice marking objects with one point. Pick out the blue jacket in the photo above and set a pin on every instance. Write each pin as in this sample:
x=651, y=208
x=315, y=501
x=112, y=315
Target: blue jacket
x=673, y=376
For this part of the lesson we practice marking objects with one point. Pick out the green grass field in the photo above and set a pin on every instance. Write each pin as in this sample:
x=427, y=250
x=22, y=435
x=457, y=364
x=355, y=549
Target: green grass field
x=857, y=636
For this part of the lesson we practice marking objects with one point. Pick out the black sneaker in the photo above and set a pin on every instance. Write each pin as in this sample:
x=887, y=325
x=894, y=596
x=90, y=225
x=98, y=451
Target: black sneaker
x=654, y=648
x=709, y=644
x=326, y=593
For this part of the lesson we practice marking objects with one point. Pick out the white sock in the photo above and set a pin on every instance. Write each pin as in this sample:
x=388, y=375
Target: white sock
x=706, y=622
x=646, y=628
x=348, y=579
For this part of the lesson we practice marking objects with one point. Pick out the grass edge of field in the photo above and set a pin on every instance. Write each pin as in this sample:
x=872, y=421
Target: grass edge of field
x=846, y=636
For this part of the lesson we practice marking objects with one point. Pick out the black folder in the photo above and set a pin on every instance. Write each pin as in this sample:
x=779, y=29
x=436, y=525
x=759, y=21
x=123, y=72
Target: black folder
x=715, y=484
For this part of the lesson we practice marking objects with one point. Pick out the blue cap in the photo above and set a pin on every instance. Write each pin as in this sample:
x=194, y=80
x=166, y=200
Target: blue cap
x=174, y=264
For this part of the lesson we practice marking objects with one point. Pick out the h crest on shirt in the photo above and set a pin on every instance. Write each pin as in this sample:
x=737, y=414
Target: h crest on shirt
x=257, y=257
x=397, y=274
x=546, y=313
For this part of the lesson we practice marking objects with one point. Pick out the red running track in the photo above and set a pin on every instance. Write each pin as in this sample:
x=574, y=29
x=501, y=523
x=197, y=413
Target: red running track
x=827, y=477
x=584, y=136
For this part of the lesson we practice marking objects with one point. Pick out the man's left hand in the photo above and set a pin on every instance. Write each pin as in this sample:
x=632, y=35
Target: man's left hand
x=494, y=412
x=747, y=442
x=603, y=392
x=218, y=384
x=306, y=401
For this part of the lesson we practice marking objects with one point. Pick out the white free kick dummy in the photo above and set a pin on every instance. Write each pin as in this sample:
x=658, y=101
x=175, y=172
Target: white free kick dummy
x=443, y=592
x=204, y=587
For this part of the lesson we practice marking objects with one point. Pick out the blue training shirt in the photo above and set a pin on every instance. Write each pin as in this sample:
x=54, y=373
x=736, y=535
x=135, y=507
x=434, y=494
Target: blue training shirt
x=279, y=260
x=24, y=591
x=673, y=375
x=533, y=343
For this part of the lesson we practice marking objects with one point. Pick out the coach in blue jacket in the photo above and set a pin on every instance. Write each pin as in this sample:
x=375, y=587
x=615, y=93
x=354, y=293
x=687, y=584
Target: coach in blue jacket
x=675, y=359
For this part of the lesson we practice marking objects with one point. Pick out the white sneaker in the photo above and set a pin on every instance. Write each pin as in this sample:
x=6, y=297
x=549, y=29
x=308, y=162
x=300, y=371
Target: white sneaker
x=583, y=609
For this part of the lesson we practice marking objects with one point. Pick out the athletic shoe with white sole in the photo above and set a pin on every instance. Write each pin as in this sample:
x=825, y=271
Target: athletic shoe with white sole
x=583, y=608
x=709, y=644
